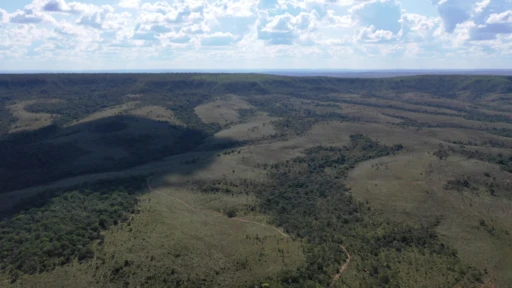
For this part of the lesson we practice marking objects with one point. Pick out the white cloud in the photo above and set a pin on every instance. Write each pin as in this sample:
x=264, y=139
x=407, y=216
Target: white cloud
x=23, y=35
x=61, y=6
x=163, y=12
x=288, y=31
x=68, y=29
x=285, y=29
x=195, y=29
x=472, y=20
x=129, y=4
x=27, y=16
x=105, y=19
x=419, y=28
x=412, y=49
x=372, y=35
x=334, y=20
x=480, y=6
x=161, y=7
x=505, y=17
x=276, y=30
x=3, y=15
x=173, y=37
x=97, y=18
x=218, y=39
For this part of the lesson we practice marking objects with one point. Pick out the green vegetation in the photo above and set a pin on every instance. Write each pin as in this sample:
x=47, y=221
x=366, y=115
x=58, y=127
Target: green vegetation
x=75, y=96
x=457, y=184
x=505, y=161
x=489, y=143
x=83, y=94
x=36, y=157
x=58, y=227
x=314, y=204
x=6, y=119
x=238, y=154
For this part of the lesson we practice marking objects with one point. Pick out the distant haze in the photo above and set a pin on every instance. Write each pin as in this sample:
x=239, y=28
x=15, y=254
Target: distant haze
x=342, y=73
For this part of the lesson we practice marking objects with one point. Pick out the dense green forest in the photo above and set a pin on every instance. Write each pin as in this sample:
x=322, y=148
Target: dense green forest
x=59, y=226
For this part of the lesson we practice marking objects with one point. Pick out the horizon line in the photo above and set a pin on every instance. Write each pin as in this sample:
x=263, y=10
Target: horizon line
x=497, y=72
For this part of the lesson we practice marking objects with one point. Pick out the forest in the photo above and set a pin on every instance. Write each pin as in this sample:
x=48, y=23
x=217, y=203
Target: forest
x=252, y=180
x=314, y=204
x=57, y=227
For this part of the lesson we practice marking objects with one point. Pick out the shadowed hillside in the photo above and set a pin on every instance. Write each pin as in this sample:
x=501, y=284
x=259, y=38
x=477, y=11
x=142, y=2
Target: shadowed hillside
x=51, y=153
x=247, y=180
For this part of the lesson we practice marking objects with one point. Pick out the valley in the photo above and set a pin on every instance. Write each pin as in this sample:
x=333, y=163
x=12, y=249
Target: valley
x=251, y=180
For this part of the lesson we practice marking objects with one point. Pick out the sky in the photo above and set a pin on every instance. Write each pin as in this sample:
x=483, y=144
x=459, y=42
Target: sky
x=255, y=34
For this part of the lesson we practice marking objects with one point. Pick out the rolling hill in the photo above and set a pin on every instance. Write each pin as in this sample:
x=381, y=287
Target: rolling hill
x=247, y=180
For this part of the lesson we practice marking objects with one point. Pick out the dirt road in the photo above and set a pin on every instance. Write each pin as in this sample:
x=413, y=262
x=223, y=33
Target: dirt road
x=342, y=269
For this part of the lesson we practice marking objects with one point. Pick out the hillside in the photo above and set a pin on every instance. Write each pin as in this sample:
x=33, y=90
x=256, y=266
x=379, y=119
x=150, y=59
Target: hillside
x=223, y=180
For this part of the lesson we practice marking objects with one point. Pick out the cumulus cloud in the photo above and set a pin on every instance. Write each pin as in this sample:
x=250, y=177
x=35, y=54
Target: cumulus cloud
x=163, y=12
x=489, y=17
x=505, y=17
x=151, y=32
x=418, y=28
x=218, y=39
x=129, y=4
x=58, y=6
x=27, y=16
x=105, y=19
x=492, y=18
x=230, y=8
x=255, y=28
x=96, y=19
x=334, y=20
x=235, y=17
x=195, y=29
x=3, y=15
x=174, y=37
x=61, y=6
x=276, y=30
x=284, y=29
x=372, y=35
x=23, y=35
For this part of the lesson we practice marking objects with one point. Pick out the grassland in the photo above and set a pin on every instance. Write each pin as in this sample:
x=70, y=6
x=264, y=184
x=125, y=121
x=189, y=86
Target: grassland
x=434, y=213
x=168, y=243
x=412, y=188
x=223, y=110
x=30, y=121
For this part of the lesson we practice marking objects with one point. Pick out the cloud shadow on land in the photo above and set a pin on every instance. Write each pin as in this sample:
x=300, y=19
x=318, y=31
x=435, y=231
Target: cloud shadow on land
x=96, y=150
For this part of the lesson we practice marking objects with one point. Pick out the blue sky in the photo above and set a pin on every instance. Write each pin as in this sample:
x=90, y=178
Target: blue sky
x=252, y=34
